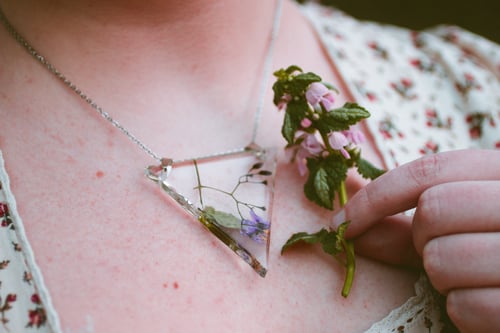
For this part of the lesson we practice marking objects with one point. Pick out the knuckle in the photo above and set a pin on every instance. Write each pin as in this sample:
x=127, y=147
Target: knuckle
x=425, y=170
x=368, y=200
x=428, y=216
x=430, y=207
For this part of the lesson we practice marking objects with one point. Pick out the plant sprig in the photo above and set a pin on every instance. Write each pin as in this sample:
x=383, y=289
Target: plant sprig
x=324, y=146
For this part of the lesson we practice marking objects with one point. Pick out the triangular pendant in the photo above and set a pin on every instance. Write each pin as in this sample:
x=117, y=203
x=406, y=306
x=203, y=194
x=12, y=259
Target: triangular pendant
x=231, y=195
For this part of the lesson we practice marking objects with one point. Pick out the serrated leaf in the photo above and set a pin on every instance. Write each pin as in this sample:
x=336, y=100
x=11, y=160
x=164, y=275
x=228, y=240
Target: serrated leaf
x=368, y=170
x=310, y=189
x=342, y=118
x=325, y=177
x=295, y=112
x=322, y=188
x=331, y=241
x=222, y=218
x=307, y=78
x=289, y=128
x=304, y=237
x=351, y=112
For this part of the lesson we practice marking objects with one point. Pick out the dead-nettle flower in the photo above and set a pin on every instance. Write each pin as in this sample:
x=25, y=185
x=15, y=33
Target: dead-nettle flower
x=317, y=93
x=309, y=146
x=338, y=141
x=323, y=143
x=350, y=138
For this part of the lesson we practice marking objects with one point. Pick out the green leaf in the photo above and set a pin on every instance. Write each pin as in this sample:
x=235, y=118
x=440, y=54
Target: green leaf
x=324, y=180
x=322, y=188
x=292, y=69
x=314, y=185
x=295, y=112
x=331, y=241
x=340, y=119
x=368, y=170
x=299, y=83
x=305, y=238
x=289, y=128
x=279, y=89
x=307, y=78
x=286, y=83
x=330, y=245
x=222, y=218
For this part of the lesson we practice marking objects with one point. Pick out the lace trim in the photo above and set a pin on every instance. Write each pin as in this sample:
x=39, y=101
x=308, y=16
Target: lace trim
x=419, y=312
x=37, y=278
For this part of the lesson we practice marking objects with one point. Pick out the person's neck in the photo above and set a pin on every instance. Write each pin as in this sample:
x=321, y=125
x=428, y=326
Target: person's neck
x=143, y=12
x=195, y=32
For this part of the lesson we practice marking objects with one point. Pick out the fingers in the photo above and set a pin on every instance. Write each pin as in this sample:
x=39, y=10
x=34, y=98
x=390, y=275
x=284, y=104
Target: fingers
x=463, y=261
x=459, y=207
x=399, y=189
x=389, y=241
x=475, y=310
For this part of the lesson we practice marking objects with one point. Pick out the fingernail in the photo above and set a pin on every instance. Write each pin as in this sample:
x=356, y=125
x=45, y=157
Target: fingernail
x=338, y=218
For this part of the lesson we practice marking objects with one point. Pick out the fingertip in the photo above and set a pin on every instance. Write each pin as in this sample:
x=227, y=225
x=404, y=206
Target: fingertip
x=339, y=218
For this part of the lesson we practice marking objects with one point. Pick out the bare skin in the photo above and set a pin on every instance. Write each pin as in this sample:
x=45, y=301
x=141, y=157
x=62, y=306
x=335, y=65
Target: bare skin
x=113, y=249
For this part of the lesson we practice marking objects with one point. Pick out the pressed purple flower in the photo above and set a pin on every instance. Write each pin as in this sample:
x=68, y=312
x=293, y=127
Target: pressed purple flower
x=338, y=141
x=256, y=227
x=318, y=93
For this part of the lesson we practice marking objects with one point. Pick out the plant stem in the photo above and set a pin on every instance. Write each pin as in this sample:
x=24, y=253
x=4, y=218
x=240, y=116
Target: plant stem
x=348, y=248
x=350, y=267
x=342, y=194
x=199, y=181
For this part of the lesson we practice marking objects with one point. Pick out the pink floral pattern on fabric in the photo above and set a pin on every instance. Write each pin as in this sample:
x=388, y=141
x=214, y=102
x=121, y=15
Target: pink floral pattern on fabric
x=21, y=308
x=428, y=91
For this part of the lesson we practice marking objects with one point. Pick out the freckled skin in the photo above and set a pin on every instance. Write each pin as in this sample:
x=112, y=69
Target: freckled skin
x=110, y=245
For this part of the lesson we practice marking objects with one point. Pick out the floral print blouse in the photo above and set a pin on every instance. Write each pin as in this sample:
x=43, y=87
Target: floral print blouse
x=428, y=92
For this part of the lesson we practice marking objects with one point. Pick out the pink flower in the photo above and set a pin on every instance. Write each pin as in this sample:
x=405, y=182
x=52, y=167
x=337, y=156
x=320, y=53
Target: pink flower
x=338, y=141
x=310, y=146
x=306, y=122
x=318, y=93
x=284, y=102
x=354, y=136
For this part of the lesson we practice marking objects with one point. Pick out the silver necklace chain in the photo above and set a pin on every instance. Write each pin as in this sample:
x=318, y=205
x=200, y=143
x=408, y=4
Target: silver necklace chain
x=266, y=71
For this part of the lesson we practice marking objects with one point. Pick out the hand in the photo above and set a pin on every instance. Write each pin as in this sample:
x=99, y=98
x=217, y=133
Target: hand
x=454, y=233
